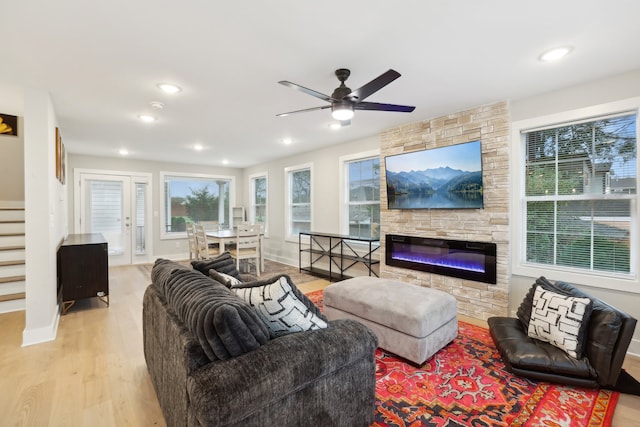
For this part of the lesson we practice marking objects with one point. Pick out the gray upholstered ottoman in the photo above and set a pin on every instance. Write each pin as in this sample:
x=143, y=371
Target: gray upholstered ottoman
x=411, y=321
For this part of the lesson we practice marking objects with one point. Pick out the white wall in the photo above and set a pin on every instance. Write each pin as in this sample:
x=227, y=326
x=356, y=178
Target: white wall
x=325, y=202
x=167, y=248
x=12, y=147
x=598, y=92
x=45, y=218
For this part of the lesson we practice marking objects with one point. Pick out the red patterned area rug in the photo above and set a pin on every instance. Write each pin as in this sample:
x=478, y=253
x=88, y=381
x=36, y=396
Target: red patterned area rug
x=466, y=384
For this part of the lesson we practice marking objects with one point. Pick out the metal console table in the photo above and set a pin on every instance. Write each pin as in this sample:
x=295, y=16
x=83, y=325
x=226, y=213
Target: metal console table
x=341, y=251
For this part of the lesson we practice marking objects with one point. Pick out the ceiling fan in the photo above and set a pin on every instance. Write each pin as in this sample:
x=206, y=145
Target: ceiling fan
x=344, y=101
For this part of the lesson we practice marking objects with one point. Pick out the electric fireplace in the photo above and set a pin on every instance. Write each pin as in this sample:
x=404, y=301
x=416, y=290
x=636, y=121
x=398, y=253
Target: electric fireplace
x=455, y=258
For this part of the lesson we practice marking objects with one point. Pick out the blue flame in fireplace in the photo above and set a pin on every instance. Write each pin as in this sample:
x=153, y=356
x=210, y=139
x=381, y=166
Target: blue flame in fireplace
x=441, y=257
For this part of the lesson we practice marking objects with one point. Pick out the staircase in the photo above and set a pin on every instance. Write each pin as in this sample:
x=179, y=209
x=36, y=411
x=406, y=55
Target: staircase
x=12, y=268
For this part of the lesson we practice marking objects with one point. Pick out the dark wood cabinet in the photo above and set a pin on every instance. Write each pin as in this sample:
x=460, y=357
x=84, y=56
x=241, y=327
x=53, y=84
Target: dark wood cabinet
x=83, y=269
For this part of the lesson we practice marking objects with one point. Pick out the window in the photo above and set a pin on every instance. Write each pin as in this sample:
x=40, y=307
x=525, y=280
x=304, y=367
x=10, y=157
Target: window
x=579, y=198
x=362, y=197
x=258, y=212
x=190, y=198
x=298, y=199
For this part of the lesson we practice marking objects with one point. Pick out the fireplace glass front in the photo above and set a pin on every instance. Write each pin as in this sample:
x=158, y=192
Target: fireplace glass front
x=455, y=258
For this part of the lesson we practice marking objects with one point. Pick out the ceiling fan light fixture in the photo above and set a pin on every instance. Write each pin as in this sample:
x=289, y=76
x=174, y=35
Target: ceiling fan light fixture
x=555, y=54
x=342, y=111
x=169, y=88
x=147, y=118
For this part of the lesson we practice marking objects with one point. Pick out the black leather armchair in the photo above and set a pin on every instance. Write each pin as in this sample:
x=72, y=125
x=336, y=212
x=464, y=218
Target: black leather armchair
x=608, y=337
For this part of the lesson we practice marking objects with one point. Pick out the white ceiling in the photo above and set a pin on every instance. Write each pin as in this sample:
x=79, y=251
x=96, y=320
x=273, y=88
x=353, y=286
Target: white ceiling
x=101, y=62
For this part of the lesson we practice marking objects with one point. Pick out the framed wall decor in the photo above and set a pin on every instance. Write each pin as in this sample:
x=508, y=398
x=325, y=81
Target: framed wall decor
x=8, y=125
x=60, y=158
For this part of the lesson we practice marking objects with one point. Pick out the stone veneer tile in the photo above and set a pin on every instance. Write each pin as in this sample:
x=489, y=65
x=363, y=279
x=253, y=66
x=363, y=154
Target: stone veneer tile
x=490, y=124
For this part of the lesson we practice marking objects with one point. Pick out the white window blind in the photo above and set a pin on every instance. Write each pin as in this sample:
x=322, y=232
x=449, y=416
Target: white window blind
x=298, y=201
x=580, y=183
x=363, y=197
x=259, y=199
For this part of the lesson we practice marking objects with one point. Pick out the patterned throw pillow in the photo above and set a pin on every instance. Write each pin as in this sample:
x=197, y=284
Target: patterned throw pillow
x=559, y=320
x=281, y=305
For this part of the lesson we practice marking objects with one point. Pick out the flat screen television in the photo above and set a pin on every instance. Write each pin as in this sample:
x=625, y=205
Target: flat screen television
x=438, y=178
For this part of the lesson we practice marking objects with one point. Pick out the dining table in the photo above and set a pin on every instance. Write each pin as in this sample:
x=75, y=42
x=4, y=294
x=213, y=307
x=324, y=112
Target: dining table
x=229, y=235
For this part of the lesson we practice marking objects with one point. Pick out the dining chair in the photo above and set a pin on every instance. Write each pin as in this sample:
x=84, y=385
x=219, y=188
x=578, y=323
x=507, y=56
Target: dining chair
x=247, y=245
x=204, y=251
x=211, y=226
x=193, y=244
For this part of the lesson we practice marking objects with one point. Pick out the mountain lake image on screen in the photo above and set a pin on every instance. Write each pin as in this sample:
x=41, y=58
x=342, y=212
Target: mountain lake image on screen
x=438, y=178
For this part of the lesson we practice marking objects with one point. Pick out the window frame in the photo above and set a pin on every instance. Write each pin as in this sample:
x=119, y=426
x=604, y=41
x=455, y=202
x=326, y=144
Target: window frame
x=343, y=164
x=252, y=194
x=519, y=265
x=288, y=171
x=164, y=235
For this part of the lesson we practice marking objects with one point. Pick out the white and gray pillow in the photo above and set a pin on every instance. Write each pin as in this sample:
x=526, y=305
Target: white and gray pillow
x=282, y=307
x=560, y=320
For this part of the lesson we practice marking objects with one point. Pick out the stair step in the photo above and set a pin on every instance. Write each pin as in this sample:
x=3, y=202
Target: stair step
x=11, y=279
x=12, y=297
x=12, y=227
x=12, y=248
x=11, y=240
x=12, y=262
x=11, y=215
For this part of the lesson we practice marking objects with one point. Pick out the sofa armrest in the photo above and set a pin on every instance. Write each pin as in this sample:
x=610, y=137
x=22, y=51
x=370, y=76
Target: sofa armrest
x=230, y=391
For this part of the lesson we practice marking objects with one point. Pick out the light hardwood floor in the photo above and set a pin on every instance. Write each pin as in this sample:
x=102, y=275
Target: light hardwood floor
x=94, y=373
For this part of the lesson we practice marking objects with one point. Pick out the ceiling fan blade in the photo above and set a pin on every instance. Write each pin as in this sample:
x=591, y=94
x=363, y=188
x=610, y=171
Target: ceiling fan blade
x=307, y=91
x=373, y=86
x=324, y=107
x=376, y=106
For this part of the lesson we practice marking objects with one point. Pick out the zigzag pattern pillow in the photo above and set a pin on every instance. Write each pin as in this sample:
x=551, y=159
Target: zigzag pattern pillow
x=559, y=320
x=282, y=307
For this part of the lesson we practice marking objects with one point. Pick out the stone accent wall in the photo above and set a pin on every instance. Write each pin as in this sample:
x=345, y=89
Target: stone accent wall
x=489, y=124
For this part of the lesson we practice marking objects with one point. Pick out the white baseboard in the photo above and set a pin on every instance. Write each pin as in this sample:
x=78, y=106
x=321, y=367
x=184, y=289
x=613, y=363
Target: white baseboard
x=282, y=260
x=634, y=348
x=44, y=334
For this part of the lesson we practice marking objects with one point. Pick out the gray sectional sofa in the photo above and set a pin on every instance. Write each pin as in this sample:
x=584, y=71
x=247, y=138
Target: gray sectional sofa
x=212, y=363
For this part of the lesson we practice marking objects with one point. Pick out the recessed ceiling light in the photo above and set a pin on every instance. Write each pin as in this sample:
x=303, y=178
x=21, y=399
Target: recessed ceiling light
x=225, y=162
x=169, y=88
x=555, y=54
x=123, y=151
x=198, y=147
x=156, y=105
x=147, y=118
x=287, y=141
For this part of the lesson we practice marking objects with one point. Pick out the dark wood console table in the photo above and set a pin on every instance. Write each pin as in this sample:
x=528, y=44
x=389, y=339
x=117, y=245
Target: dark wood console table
x=341, y=251
x=83, y=269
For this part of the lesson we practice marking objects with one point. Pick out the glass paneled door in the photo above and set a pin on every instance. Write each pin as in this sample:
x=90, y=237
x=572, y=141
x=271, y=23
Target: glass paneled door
x=115, y=205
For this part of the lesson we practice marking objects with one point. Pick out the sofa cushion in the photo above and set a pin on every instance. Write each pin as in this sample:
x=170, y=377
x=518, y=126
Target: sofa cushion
x=161, y=273
x=223, y=278
x=281, y=305
x=560, y=320
x=224, y=324
x=522, y=353
x=223, y=263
